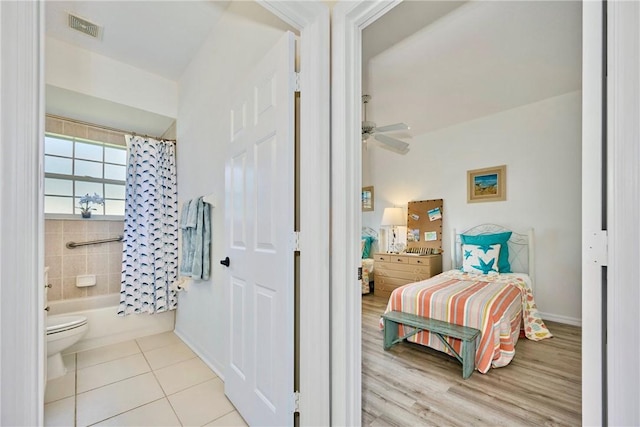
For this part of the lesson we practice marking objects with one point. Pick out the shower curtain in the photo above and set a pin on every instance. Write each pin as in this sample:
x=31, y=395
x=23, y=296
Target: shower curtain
x=150, y=249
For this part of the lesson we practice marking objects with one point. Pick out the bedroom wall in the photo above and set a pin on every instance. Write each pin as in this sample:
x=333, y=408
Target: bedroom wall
x=541, y=145
x=203, y=132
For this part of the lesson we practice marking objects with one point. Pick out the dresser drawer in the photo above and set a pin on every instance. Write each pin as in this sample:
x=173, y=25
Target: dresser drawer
x=397, y=266
x=419, y=260
x=432, y=268
x=398, y=259
x=406, y=276
x=381, y=257
x=387, y=285
x=394, y=270
x=433, y=263
x=390, y=283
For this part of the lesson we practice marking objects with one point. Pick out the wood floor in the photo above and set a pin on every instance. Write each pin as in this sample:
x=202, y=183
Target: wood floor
x=411, y=385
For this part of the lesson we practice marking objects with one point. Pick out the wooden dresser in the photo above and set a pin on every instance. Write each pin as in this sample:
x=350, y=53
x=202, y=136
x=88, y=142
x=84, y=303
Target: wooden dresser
x=394, y=270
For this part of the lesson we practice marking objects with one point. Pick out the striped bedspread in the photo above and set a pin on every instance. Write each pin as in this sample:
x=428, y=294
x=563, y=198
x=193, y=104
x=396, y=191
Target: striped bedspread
x=497, y=305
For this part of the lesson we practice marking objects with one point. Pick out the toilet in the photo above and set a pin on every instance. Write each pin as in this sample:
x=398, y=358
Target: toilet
x=63, y=331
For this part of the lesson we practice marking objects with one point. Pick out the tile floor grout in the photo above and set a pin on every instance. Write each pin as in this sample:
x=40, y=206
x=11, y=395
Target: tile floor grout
x=158, y=381
x=132, y=409
x=169, y=380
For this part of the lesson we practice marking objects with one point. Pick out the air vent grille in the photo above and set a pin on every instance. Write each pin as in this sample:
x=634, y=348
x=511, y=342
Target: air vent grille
x=83, y=26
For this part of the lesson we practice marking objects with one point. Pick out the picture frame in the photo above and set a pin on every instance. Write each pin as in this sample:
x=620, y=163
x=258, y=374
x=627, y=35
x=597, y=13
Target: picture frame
x=367, y=199
x=487, y=184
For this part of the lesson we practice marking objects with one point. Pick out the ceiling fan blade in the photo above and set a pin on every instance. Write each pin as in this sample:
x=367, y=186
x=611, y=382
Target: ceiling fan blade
x=401, y=134
x=394, y=127
x=393, y=144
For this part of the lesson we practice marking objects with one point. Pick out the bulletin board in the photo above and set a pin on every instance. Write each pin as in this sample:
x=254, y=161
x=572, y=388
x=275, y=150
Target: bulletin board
x=424, y=226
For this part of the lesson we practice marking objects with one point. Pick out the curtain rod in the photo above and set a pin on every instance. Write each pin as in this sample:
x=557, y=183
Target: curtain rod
x=80, y=122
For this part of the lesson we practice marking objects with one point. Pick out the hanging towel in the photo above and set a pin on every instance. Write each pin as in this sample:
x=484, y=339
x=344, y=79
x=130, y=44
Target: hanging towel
x=187, y=235
x=196, y=239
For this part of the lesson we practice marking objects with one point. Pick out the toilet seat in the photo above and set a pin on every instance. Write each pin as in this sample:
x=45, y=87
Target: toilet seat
x=57, y=324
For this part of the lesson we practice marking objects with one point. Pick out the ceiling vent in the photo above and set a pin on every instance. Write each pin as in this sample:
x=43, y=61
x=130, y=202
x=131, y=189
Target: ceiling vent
x=84, y=26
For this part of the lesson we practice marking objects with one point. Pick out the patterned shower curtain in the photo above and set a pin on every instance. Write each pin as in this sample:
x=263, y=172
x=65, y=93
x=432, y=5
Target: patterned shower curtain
x=150, y=249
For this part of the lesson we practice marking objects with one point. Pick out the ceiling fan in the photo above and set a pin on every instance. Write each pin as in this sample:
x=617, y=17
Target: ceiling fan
x=369, y=130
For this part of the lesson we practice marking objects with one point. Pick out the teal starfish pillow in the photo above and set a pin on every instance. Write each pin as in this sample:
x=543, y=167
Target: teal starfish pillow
x=492, y=239
x=480, y=259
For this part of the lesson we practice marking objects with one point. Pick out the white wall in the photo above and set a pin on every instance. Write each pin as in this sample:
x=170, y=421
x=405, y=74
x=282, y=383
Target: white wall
x=236, y=44
x=80, y=70
x=541, y=145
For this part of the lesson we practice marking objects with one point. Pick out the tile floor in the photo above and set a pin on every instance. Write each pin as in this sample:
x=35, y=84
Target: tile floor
x=150, y=381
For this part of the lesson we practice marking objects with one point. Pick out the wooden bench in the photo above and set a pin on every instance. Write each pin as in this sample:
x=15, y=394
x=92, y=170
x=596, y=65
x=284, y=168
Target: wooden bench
x=441, y=329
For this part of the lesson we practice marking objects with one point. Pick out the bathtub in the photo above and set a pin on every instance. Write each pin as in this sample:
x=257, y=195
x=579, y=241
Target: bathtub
x=105, y=326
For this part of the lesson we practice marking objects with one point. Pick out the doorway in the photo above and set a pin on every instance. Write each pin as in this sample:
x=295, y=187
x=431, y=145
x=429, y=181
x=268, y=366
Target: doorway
x=351, y=20
x=24, y=53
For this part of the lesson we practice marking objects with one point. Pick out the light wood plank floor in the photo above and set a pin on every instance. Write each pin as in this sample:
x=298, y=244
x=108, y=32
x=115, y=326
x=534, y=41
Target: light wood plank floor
x=411, y=385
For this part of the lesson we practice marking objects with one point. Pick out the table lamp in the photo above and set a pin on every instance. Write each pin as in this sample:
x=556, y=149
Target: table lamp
x=393, y=217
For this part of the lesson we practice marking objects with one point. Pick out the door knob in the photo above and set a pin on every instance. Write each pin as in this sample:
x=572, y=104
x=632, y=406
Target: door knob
x=225, y=262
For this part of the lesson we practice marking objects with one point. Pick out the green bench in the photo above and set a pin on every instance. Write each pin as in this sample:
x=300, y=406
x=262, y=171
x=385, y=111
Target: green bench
x=441, y=329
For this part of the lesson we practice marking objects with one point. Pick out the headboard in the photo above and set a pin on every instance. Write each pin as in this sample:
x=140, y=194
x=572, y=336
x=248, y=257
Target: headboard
x=521, y=248
x=368, y=231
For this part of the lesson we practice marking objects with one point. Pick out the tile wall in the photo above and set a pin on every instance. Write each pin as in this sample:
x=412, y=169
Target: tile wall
x=104, y=260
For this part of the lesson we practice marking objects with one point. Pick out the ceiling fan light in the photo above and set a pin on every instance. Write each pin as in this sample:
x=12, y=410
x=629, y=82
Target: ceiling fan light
x=367, y=126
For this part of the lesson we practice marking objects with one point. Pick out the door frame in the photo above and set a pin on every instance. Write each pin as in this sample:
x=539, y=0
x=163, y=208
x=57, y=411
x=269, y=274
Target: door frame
x=348, y=20
x=623, y=212
x=592, y=211
x=312, y=20
x=22, y=369
x=21, y=208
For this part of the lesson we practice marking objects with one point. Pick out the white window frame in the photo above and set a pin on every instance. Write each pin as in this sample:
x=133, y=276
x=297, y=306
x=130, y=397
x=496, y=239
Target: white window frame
x=74, y=178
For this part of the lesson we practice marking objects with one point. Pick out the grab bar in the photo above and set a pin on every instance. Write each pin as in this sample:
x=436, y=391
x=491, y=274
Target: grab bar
x=72, y=245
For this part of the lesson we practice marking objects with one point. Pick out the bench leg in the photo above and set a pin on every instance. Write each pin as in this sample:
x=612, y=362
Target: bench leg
x=390, y=333
x=468, y=358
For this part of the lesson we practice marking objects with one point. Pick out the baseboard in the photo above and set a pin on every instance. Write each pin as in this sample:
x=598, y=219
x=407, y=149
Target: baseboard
x=202, y=356
x=561, y=319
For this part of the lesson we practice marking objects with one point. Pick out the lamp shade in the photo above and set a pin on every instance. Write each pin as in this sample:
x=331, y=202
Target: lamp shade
x=393, y=217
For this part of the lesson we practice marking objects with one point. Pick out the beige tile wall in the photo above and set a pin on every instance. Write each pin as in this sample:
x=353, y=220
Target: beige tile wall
x=104, y=260
x=63, y=126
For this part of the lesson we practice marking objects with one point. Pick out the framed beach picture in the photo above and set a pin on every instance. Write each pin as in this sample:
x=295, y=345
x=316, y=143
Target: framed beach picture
x=367, y=199
x=487, y=185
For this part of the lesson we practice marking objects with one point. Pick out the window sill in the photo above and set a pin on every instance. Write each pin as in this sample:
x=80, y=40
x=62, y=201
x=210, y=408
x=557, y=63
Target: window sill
x=77, y=217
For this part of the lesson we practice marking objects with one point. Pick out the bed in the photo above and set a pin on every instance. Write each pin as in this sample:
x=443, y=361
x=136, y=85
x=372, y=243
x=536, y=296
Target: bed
x=490, y=288
x=369, y=236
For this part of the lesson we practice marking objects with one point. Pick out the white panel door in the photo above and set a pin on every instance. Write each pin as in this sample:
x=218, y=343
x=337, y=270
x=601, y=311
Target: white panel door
x=259, y=217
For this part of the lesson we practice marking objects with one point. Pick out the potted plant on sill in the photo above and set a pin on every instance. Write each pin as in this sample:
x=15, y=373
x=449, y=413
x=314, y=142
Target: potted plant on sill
x=86, y=201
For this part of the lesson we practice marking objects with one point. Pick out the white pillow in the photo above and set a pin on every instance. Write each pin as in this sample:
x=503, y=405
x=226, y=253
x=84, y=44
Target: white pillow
x=480, y=259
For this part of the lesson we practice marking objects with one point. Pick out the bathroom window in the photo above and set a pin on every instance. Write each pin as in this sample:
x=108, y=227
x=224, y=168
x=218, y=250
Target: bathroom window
x=74, y=167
